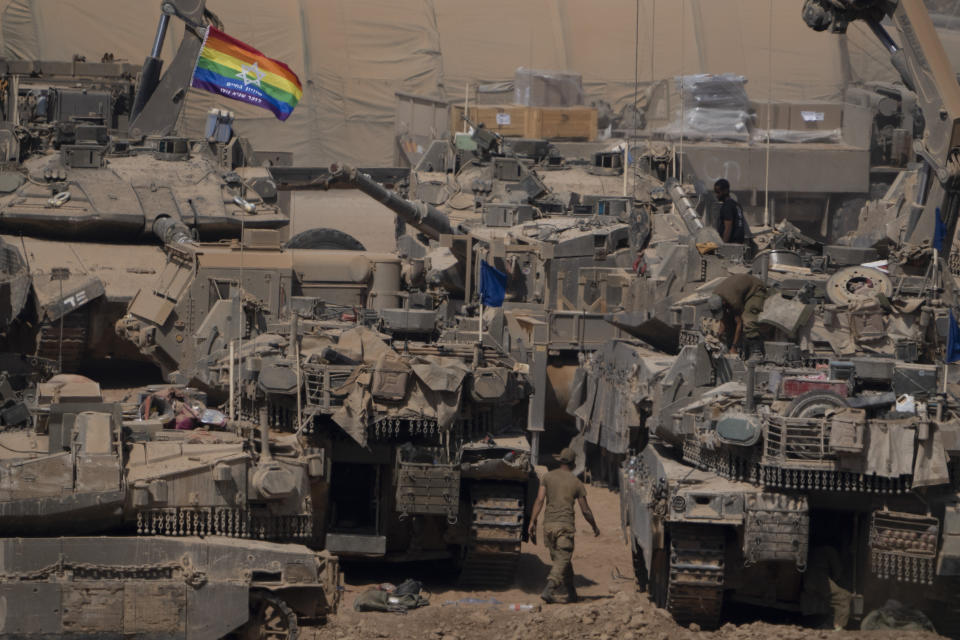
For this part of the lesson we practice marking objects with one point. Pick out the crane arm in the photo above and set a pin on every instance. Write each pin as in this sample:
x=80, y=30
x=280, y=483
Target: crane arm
x=924, y=67
x=159, y=100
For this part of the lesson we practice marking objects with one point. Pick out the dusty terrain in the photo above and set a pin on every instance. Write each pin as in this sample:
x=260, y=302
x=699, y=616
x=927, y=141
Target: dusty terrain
x=610, y=606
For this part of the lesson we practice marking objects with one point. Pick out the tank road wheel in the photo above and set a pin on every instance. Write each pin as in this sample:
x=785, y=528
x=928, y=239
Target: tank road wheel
x=323, y=238
x=270, y=619
x=695, y=575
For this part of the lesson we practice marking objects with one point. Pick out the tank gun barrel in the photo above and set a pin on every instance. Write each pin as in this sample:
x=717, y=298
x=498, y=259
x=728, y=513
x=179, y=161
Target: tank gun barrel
x=427, y=219
x=171, y=231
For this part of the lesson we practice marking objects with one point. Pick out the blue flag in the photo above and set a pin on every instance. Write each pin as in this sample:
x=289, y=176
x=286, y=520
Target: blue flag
x=493, y=285
x=953, y=341
x=939, y=232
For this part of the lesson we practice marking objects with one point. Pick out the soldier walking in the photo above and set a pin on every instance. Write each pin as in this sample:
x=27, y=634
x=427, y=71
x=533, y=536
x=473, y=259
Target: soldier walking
x=560, y=489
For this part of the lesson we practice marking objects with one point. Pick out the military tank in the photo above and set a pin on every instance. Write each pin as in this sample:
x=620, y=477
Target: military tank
x=818, y=475
x=660, y=307
x=421, y=425
x=768, y=470
x=125, y=520
x=559, y=263
x=532, y=208
x=91, y=163
x=479, y=178
x=523, y=204
x=766, y=459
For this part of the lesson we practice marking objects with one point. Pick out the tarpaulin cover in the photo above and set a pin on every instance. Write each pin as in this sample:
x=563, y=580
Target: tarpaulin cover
x=381, y=387
x=352, y=55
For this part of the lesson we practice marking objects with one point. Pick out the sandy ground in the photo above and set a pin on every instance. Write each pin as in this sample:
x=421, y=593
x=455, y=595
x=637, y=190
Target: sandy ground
x=610, y=605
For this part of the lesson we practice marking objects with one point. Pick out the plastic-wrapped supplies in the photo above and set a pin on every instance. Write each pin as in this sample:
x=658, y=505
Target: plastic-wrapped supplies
x=726, y=91
x=714, y=107
x=792, y=135
x=719, y=124
x=538, y=88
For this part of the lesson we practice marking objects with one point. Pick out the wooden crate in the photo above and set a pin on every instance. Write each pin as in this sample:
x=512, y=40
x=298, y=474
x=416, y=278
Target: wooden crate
x=572, y=123
x=513, y=120
x=518, y=121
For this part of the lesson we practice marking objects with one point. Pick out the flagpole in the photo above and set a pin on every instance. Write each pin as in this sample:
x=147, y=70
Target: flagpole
x=936, y=267
x=480, y=298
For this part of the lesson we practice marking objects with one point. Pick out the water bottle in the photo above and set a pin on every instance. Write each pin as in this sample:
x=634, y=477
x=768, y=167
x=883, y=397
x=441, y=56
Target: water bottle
x=520, y=607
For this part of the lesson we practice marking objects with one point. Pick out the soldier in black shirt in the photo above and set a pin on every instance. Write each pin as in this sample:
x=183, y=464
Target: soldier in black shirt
x=731, y=224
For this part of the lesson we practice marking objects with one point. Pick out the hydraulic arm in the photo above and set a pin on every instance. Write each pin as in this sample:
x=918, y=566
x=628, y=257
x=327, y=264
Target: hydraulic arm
x=925, y=69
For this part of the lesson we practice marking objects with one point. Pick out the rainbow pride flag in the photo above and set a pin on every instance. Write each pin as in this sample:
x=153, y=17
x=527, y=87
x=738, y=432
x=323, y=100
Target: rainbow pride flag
x=236, y=70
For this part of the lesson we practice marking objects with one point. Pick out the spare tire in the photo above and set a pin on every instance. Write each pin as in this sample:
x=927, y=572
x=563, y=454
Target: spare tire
x=324, y=238
x=814, y=404
x=850, y=285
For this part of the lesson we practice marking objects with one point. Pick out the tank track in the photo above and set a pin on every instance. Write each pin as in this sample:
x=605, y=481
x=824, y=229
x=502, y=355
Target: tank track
x=496, y=529
x=74, y=340
x=695, y=588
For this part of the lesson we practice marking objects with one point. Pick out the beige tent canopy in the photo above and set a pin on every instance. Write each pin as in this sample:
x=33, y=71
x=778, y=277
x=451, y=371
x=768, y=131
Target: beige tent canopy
x=353, y=55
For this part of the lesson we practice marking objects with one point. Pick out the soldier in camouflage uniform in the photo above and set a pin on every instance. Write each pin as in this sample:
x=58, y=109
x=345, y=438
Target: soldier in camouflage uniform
x=740, y=298
x=560, y=489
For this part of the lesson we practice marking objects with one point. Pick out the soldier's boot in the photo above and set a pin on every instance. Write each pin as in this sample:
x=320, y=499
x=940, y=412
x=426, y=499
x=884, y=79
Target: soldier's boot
x=549, y=594
x=572, y=595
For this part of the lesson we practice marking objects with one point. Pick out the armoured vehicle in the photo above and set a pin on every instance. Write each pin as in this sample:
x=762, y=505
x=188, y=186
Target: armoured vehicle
x=91, y=164
x=770, y=469
x=420, y=425
x=577, y=278
x=555, y=247
x=130, y=520
x=840, y=439
x=533, y=212
x=462, y=174
x=661, y=304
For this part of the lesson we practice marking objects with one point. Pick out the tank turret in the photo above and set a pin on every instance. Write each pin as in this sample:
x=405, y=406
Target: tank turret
x=85, y=198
